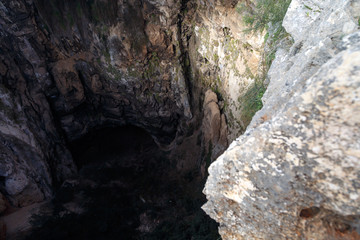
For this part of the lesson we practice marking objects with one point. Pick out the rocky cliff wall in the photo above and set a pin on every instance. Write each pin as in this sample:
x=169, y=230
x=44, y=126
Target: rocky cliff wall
x=226, y=59
x=294, y=174
x=70, y=67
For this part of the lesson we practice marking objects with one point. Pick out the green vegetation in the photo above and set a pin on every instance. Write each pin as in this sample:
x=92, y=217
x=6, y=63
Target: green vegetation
x=247, y=46
x=262, y=15
x=306, y=6
x=269, y=58
x=272, y=42
x=257, y=18
x=266, y=15
x=251, y=101
x=112, y=69
x=216, y=57
x=70, y=19
x=311, y=10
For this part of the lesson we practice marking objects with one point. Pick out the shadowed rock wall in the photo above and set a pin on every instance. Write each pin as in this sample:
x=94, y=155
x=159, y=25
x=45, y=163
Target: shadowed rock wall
x=68, y=67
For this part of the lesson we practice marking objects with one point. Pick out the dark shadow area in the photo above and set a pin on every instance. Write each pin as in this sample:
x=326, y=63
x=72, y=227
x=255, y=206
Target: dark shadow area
x=114, y=144
x=127, y=189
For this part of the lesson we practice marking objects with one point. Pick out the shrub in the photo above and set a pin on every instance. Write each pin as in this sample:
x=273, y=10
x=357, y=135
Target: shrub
x=251, y=101
x=257, y=17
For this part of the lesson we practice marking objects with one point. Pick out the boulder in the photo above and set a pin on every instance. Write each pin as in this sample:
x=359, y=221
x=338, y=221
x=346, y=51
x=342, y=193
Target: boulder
x=294, y=173
x=298, y=170
x=214, y=126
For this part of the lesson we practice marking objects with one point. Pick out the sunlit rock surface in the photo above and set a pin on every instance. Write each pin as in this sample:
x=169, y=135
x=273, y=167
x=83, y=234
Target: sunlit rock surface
x=226, y=58
x=294, y=174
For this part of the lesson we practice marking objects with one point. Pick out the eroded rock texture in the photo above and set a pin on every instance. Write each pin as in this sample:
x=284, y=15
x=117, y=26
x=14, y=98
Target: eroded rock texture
x=71, y=67
x=68, y=67
x=294, y=174
x=214, y=125
x=225, y=58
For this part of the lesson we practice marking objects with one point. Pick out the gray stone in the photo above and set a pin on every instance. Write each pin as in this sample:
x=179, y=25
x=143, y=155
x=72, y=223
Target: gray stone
x=318, y=38
x=294, y=174
x=306, y=155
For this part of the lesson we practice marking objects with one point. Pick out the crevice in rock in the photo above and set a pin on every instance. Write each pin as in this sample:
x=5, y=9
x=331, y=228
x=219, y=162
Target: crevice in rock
x=309, y=212
x=183, y=45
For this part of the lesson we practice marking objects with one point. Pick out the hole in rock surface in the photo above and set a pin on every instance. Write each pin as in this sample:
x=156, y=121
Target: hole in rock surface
x=309, y=212
x=127, y=189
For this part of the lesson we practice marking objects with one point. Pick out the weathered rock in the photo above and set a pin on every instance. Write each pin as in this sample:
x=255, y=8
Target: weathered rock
x=67, y=68
x=213, y=126
x=224, y=57
x=306, y=156
x=211, y=121
x=294, y=64
x=294, y=174
x=102, y=64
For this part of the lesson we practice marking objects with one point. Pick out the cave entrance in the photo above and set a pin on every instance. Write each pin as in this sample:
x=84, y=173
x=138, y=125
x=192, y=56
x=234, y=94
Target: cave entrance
x=126, y=145
x=127, y=189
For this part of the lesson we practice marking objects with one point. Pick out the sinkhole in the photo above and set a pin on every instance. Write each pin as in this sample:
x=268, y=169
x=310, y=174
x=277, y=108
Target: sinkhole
x=127, y=188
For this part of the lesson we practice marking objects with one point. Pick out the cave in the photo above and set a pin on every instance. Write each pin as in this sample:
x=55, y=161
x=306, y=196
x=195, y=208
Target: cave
x=146, y=119
x=110, y=128
x=127, y=188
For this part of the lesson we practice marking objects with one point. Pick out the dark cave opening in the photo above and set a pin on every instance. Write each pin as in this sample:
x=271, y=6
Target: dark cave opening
x=127, y=189
x=101, y=144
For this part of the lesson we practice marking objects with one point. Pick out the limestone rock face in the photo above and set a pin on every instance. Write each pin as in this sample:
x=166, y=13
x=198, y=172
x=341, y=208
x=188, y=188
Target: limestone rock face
x=294, y=174
x=225, y=58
